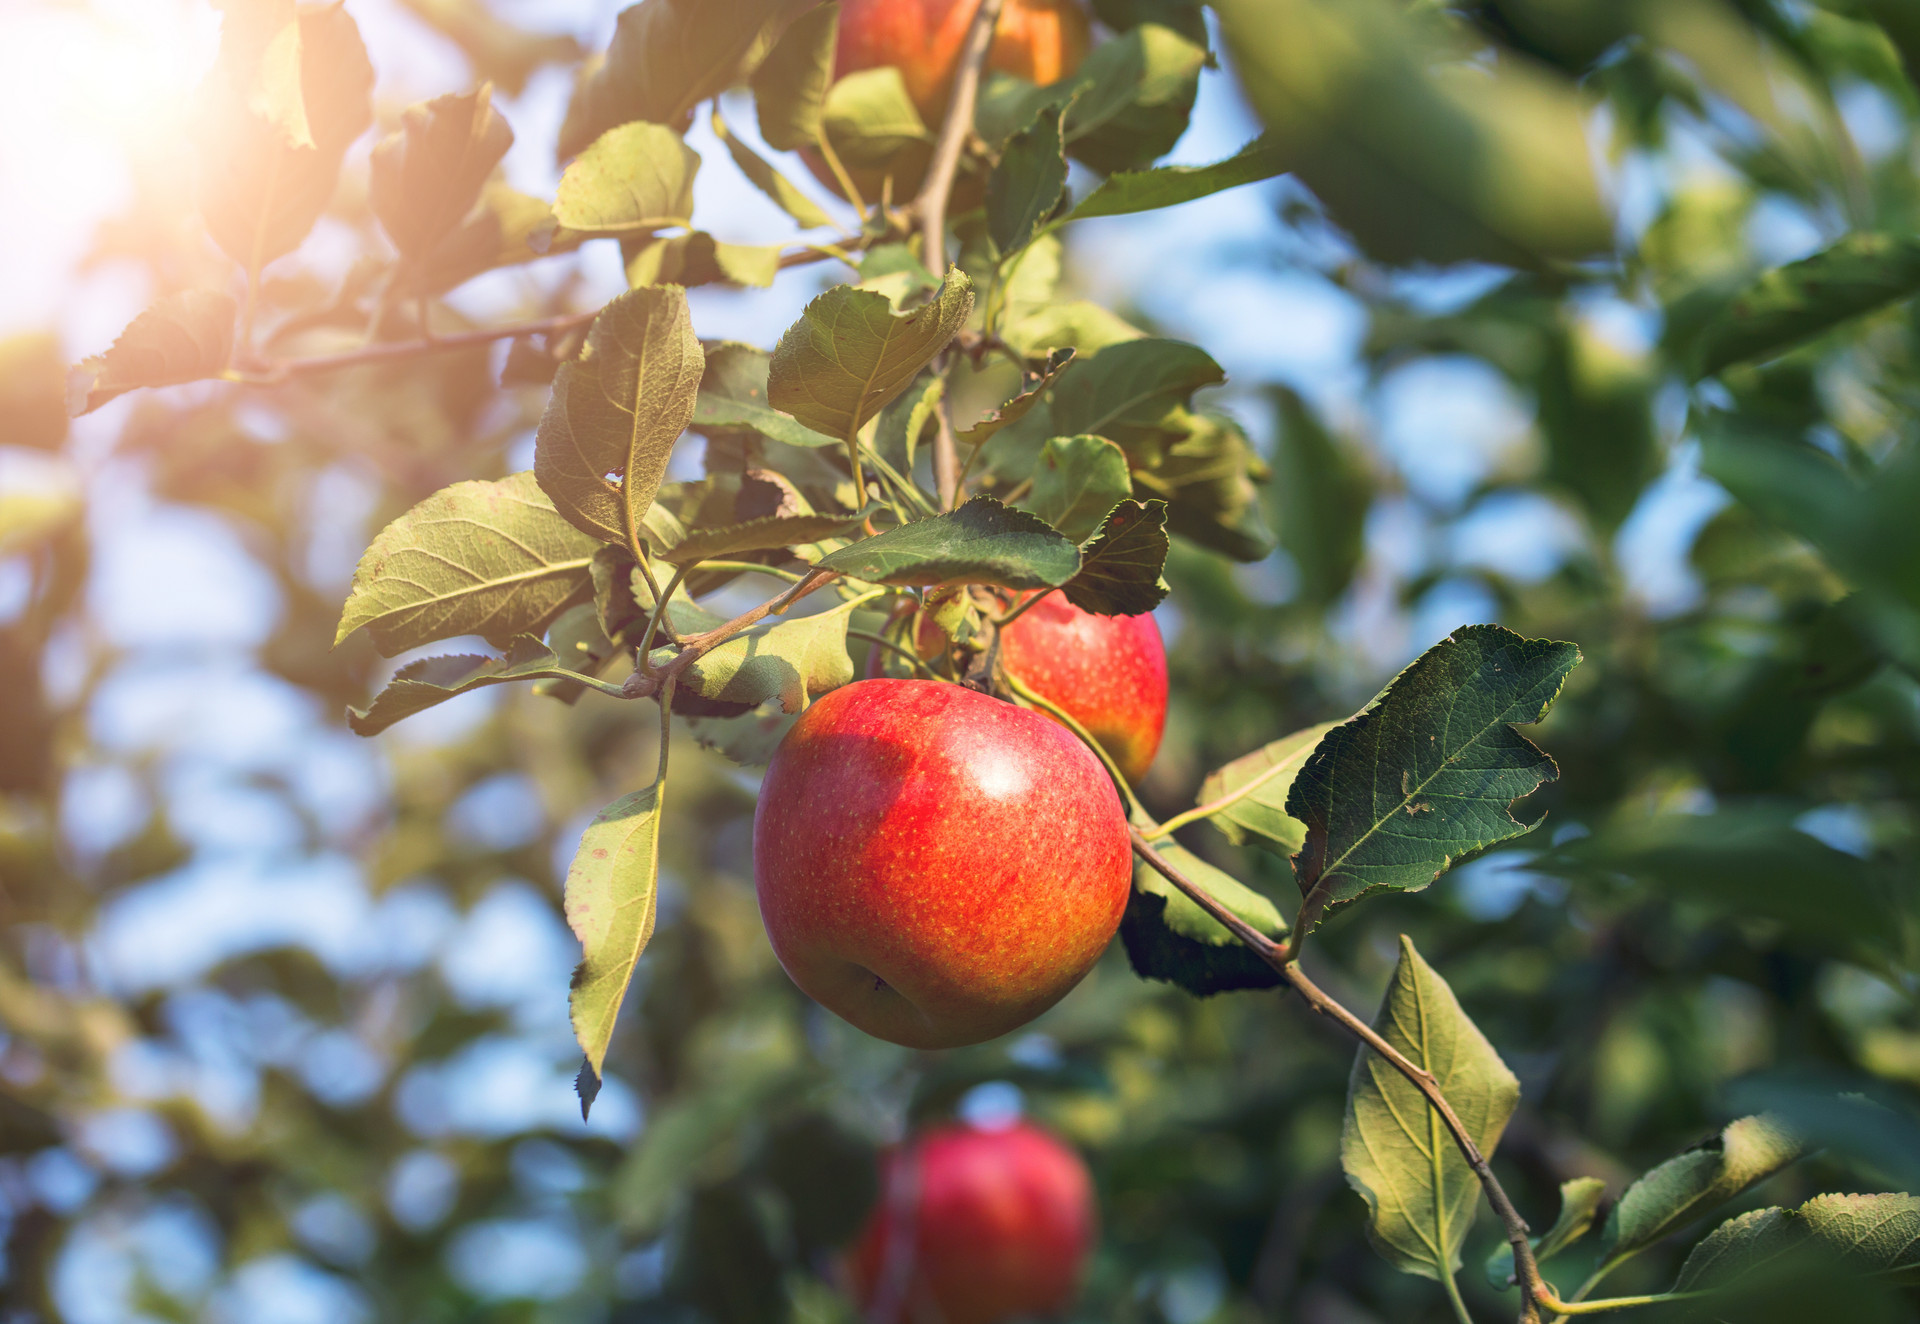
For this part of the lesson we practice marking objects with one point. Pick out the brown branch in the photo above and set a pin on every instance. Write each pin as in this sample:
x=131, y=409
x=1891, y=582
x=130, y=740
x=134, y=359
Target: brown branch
x=1534, y=1290
x=641, y=685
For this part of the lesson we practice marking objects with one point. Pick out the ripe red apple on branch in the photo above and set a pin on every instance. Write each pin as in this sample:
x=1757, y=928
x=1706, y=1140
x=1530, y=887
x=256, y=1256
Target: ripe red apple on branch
x=935, y=865
x=975, y=1226
x=1108, y=673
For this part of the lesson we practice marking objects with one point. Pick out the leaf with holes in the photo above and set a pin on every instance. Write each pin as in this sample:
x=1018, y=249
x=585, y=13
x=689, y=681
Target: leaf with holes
x=618, y=410
x=1120, y=569
x=612, y=893
x=983, y=542
x=1250, y=793
x=184, y=337
x=488, y=558
x=1396, y=1151
x=1430, y=769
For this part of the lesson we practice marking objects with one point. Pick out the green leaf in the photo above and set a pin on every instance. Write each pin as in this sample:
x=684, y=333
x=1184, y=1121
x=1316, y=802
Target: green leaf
x=762, y=534
x=633, y=179
x=790, y=86
x=619, y=409
x=184, y=337
x=1017, y=408
x=1251, y=791
x=733, y=400
x=1397, y=1153
x=1078, y=480
x=1866, y=1235
x=1790, y=305
x=1418, y=157
x=1207, y=473
x=428, y=174
x=1320, y=496
x=581, y=646
x=1128, y=191
x=1580, y=1201
x=262, y=185
x=1027, y=182
x=850, y=353
x=793, y=661
x=1126, y=391
x=748, y=739
x=488, y=558
x=871, y=121
x=666, y=57
x=698, y=258
x=612, y=893
x=1169, y=937
x=760, y=172
x=983, y=542
x=1686, y=1187
x=1429, y=769
x=1133, y=97
x=432, y=680
x=1120, y=569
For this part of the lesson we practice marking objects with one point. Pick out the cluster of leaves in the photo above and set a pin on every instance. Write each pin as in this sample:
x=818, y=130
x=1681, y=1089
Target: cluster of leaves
x=1456, y=135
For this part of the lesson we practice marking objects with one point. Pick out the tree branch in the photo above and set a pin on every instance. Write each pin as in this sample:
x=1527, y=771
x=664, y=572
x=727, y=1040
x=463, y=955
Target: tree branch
x=1535, y=1292
x=641, y=685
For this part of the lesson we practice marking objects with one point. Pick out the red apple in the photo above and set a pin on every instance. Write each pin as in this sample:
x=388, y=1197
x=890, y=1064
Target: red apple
x=1109, y=673
x=935, y=865
x=975, y=1226
x=1042, y=41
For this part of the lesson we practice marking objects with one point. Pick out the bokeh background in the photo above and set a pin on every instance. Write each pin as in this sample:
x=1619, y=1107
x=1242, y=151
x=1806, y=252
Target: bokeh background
x=283, y=1031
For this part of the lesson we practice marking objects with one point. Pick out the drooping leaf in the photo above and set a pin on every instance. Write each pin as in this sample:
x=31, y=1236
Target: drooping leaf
x=982, y=542
x=850, y=353
x=612, y=893
x=1396, y=1151
x=1320, y=496
x=488, y=558
x=433, y=680
x=618, y=410
x=1120, y=568
x=1791, y=304
x=790, y=86
x=261, y=186
x=1251, y=791
x=871, y=122
x=1129, y=191
x=428, y=174
x=1415, y=156
x=1690, y=1185
x=1027, y=182
x=1017, y=408
x=1169, y=937
x=633, y=179
x=1864, y=1235
x=759, y=171
x=794, y=661
x=697, y=258
x=666, y=57
x=1580, y=1201
x=184, y=337
x=1079, y=480
x=1429, y=769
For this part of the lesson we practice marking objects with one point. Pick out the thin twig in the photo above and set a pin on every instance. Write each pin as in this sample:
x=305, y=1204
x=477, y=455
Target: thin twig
x=641, y=685
x=1534, y=1290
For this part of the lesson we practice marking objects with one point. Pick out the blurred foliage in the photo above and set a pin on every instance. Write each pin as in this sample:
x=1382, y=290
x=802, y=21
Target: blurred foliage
x=1719, y=914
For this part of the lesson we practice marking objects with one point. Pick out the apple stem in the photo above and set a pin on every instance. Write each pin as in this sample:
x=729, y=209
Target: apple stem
x=1536, y=1292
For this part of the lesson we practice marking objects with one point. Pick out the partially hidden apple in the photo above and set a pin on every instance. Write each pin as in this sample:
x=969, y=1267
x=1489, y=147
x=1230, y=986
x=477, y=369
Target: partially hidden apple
x=1042, y=41
x=975, y=1226
x=1109, y=673
x=934, y=865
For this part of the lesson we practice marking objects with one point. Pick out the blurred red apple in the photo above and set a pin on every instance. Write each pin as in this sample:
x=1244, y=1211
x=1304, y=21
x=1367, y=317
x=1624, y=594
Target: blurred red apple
x=935, y=865
x=1109, y=673
x=975, y=1226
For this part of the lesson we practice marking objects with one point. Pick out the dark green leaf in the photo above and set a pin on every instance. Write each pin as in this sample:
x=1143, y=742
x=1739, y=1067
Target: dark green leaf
x=1251, y=791
x=1027, y=182
x=1398, y=1155
x=619, y=409
x=612, y=893
x=488, y=558
x=1320, y=495
x=633, y=179
x=1078, y=480
x=1131, y=191
x=1120, y=569
x=433, y=680
x=1580, y=1201
x=185, y=337
x=983, y=542
x=790, y=86
x=1429, y=769
x=428, y=174
x=850, y=353
x=1169, y=937
x=1688, y=1186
